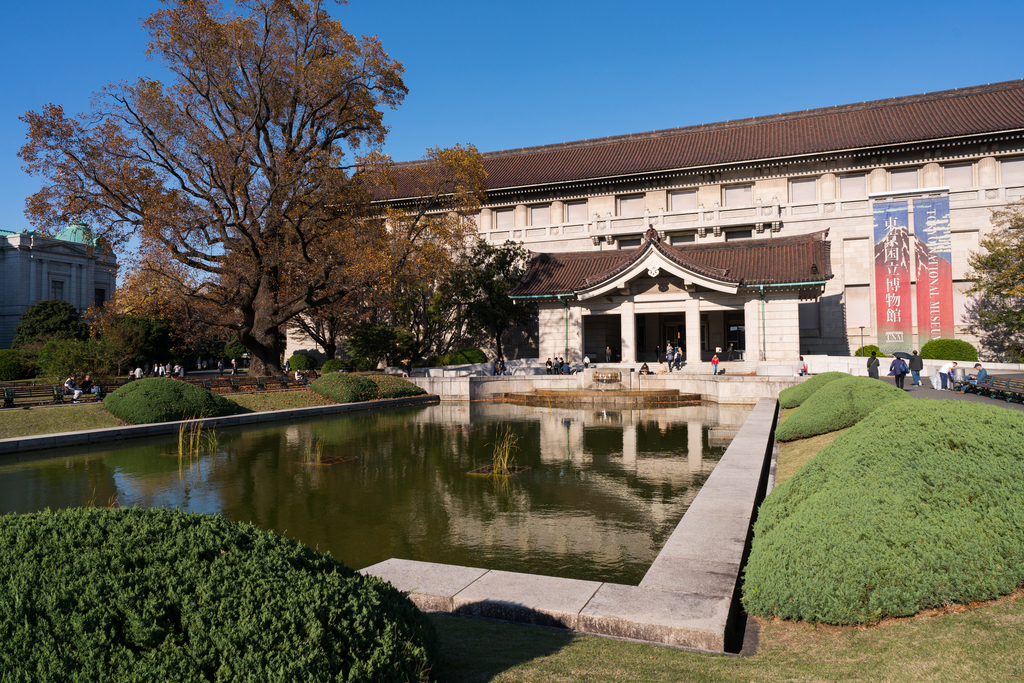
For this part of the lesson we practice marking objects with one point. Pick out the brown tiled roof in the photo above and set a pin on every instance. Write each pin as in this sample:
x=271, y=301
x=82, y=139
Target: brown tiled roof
x=750, y=262
x=951, y=113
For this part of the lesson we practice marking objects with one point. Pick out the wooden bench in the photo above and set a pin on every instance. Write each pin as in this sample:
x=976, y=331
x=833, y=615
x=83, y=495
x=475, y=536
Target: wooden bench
x=1014, y=390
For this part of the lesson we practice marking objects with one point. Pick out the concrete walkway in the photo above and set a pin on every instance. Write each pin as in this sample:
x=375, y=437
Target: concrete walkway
x=925, y=391
x=689, y=596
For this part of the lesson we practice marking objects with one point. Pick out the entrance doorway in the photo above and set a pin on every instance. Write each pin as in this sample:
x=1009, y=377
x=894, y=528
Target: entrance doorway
x=601, y=332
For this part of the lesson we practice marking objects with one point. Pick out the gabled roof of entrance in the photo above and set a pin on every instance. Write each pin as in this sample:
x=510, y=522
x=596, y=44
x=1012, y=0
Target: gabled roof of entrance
x=725, y=265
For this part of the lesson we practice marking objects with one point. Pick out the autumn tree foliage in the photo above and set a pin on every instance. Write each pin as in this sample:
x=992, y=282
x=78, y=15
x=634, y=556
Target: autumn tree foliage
x=996, y=313
x=255, y=169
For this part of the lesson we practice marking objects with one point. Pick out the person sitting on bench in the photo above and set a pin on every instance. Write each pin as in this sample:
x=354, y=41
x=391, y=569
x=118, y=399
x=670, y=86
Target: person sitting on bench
x=981, y=375
x=72, y=388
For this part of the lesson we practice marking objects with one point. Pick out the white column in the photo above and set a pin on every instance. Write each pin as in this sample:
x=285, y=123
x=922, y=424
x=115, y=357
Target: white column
x=31, y=281
x=695, y=445
x=629, y=444
x=692, y=310
x=752, y=327
x=627, y=330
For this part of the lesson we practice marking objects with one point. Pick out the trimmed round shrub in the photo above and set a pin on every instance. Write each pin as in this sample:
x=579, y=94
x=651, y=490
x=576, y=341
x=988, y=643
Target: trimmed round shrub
x=794, y=396
x=333, y=365
x=470, y=356
x=12, y=365
x=865, y=351
x=917, y=506
x=302, y=361
x=390, y=386
x=949, y=349
x=356, y=388
x=161, y=399
x=839, y=404
x=156, y=595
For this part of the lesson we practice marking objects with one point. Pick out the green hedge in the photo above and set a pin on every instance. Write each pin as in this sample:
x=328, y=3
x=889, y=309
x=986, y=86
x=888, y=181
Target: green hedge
x=161, y=399
x=949, y=349
x=302, y=361
x=838, y=404
x=159, y=595
x=865, y=351
x=333, y=365
x=794, y=396
x=468, y=356
x=13, y=366
x=919, y=505
x=356, y=388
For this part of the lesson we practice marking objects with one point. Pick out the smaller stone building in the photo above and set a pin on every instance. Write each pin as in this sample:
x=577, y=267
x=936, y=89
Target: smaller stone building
x=66, y=266
x=699, y=298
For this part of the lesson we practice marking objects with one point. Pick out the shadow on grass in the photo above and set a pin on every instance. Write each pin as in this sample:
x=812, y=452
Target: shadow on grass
x=477, y=649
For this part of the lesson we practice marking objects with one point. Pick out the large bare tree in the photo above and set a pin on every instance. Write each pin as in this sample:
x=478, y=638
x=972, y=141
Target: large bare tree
x=255, y=168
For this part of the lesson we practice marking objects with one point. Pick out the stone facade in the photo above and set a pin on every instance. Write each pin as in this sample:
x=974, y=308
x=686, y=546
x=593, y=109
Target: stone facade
x=35, y=268
x=759, y=198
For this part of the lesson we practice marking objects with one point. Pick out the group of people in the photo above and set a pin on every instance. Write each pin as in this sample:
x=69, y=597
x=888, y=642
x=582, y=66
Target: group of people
x=71, y=386
x=899, y=368
x=560, y=367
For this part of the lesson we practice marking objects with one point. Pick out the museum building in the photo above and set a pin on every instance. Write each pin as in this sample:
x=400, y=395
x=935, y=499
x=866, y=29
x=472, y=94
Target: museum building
x=812, y=232
x=65, y=266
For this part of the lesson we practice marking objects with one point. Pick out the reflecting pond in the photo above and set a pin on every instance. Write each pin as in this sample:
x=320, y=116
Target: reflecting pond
x=603, y=491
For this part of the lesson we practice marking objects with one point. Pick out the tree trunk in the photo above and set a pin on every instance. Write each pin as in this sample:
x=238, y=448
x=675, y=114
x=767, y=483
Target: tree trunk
x=265, y=352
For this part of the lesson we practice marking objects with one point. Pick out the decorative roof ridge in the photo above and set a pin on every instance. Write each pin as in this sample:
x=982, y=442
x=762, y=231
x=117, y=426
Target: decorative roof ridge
x=653, y=241
x=953, y=93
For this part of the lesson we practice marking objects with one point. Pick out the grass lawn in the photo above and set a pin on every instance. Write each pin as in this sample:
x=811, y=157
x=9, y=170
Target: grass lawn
x=279, y=400
x=73, y=418
x=53, y=419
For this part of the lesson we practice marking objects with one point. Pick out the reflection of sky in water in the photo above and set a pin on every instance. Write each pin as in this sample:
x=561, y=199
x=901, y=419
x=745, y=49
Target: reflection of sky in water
x=187, y=491
x=604, y=490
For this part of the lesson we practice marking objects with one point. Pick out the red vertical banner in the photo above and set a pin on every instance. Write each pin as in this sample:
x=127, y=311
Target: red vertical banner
x=934, y=253
x=892, y=276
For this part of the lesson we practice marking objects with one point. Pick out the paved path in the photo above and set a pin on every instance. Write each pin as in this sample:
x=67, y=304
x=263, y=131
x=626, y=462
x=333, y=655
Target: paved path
x=926, y=391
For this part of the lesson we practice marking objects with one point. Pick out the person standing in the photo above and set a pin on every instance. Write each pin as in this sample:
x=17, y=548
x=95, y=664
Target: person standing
x=669, y=355
x=873, y=365
x=714, y=364
x=586, y=362
x=916, y=365
x=729, y=355
x=944, y=374
x=607, y=354
x=234, y=366
x=898, y=369
x=548, y=366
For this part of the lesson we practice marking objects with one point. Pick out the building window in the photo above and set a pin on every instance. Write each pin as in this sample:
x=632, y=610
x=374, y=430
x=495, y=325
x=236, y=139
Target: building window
x=809, y=314
x=56, y=290
x=853, y=186
x=858, y=306
x=504, y=219
x=100, y=297
x=631, y=206
x=738, y=235
x=738, y=195
x=1012, y=171
x=903, y=180
x=803, y=191
x=540, y=215
x=959, y=176
x=682, y=200
x=631, y=243
x=683, y=239
x=576, y=212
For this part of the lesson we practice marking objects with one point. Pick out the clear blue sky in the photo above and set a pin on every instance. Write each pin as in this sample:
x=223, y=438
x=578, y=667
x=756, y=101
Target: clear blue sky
x=508, y=75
